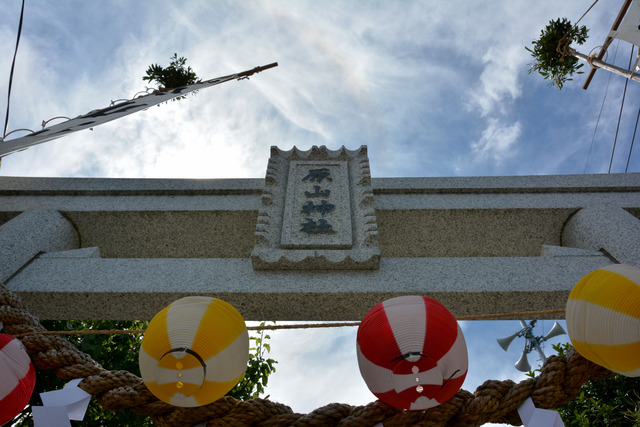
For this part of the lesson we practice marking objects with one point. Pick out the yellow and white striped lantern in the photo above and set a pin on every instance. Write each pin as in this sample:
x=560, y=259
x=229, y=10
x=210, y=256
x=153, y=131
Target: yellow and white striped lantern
x=603, y=318
x=194, y=351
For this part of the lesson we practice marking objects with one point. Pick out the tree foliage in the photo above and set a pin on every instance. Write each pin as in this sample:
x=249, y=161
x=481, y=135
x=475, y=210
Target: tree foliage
x=111, y=351
x=259, y=368
x=604, y=402
x=551, y=51
x=177, y=74
x=120, y=352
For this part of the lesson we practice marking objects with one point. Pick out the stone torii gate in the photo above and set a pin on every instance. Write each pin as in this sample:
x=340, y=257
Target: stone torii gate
x=317, y=239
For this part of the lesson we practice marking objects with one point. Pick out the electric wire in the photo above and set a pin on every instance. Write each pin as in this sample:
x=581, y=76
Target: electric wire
x=624, y=94
x=632, y=140
x=606, y=91
x=13, y=64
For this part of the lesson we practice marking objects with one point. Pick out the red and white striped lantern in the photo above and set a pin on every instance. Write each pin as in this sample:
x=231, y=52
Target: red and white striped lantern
x=17, y=378
x=411, y=352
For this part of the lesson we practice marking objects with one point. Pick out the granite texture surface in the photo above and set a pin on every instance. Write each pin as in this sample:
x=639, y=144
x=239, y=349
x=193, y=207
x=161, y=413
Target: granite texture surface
x=138, y=288
x=478, y=244
x=167, y=234
x=93, y=252
x=550, y=250
x=317, y=212
x=433, y=217
x=608, y=228
x=30, y=234
x=583, y=183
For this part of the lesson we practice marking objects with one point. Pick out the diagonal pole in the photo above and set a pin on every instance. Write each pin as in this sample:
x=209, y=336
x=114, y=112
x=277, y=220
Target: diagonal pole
x=629, y=74
x=115, y=111
x=608, y=40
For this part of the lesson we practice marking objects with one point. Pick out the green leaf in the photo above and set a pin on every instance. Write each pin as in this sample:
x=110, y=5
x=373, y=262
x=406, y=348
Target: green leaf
x=258, y=370
x=174, y=76
x=553, y=59
x=116, y=352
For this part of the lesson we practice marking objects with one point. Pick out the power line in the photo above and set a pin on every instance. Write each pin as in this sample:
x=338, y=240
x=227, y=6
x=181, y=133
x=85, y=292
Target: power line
x=632, y=139
x=624, y=94
x=606, y=91
x=13, y=64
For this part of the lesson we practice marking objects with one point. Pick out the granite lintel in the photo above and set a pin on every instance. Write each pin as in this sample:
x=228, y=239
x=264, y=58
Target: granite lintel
x=138, y=288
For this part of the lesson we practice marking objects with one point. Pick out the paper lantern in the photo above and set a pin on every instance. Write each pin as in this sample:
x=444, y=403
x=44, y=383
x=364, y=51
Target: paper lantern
x=17, y=378
x=603, y=318
x=411, y=352
x=194, y=351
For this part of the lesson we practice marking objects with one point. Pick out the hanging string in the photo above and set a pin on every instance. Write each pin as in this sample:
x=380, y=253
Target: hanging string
x=593, y=137
x=632, y=140
x=584, y=14
x=563, y=44
x=615, y=140
x=13, y=64
x=19, y=130
x=493, y=316
x=45, y=122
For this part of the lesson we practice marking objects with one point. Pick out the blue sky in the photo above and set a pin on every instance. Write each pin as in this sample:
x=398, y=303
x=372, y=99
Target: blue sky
x=318, y=367
x=433, y=88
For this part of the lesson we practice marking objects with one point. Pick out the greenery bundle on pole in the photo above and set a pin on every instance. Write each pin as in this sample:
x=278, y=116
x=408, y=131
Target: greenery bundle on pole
x=174, y=76
x=552, y=53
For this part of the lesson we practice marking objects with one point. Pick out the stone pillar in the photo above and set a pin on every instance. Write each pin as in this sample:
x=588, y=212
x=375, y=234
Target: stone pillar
x=605, y=227
x=30, y=234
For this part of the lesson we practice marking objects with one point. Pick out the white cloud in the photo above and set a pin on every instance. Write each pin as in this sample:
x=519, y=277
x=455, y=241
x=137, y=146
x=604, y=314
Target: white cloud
x=497, y=140
x=316, y=367
x=499, y=83
x=390, y=76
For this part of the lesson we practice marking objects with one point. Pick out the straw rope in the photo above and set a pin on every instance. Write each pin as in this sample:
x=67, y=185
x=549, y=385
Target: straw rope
x=494, y=401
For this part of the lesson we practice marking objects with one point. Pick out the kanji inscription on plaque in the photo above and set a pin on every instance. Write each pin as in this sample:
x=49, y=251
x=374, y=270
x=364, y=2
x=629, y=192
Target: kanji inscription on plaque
x=313, y=223
x=317, y=212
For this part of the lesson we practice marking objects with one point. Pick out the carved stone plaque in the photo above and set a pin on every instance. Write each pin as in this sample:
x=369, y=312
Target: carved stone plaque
x=317, y=212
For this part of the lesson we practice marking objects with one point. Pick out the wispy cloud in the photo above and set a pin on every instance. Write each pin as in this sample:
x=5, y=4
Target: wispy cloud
x=500, y=81
x=419, y=83
x=317, y=366
x=497, y=141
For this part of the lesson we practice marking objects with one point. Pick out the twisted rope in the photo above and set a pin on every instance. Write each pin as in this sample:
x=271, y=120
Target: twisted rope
x=494, y=401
